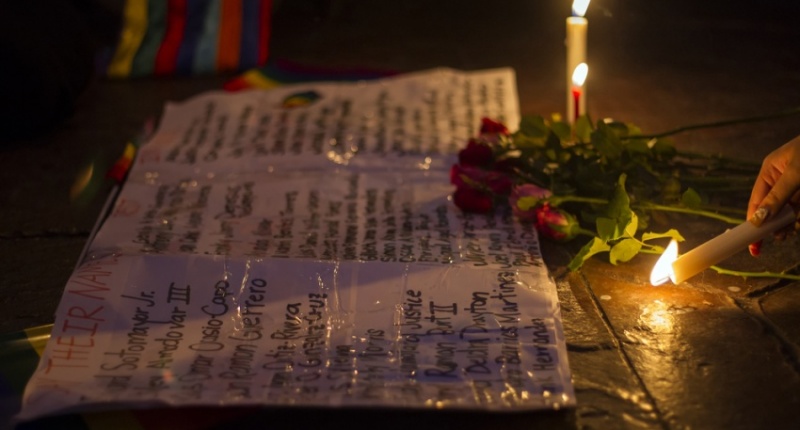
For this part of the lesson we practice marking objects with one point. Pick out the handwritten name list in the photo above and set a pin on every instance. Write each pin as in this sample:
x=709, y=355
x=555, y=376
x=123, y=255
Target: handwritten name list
x=270, y=254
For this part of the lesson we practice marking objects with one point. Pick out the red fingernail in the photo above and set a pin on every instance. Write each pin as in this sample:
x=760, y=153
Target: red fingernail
x=755, y=249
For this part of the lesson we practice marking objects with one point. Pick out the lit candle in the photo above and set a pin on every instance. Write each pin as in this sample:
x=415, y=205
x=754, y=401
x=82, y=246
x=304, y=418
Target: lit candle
x=678, y=269
x=578, y=79
x=576, y=49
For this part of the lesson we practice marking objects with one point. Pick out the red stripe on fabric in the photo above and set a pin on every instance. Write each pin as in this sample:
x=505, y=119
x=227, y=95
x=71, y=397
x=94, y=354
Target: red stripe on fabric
x=167, y=57
x=236, y=84
x=264, y=30
x=230, y=35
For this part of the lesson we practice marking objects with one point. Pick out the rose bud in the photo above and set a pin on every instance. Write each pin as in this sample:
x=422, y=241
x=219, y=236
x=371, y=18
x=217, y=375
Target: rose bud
x=524, y=199
x=555, y=223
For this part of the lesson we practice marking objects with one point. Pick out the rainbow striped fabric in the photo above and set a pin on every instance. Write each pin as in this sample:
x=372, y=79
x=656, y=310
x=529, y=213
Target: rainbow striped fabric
x=189, y=37
x=281, y=72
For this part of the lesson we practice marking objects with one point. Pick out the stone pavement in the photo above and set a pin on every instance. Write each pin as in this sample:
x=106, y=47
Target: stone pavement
x=716, y=352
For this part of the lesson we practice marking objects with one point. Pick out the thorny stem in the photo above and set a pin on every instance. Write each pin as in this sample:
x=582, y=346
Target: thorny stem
x=728, y=163
x=649, y=206
x=724, y=180
x=709, y=214
x=778, y=275
x=557, y=200
x=744, y=120
x=725, y=209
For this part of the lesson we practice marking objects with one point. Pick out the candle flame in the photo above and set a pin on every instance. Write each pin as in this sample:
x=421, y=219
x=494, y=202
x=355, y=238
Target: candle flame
x=579, y=7
x=662, y=271
x=579, y=74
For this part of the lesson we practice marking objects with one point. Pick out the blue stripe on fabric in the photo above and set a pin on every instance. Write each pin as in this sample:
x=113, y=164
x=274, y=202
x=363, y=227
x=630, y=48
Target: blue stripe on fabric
x=248, y=52
x=205, y=55
x=195, y=21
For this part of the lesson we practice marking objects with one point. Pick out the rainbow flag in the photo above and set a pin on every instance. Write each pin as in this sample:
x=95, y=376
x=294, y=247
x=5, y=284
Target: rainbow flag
x=189, y=37
x=282, y=72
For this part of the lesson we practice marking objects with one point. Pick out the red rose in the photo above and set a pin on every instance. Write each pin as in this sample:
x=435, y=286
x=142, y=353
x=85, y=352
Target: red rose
x=498, y=183
x=490, y=126
x=487, y=180
x=472, y=200
x=507, y=165
x=475, y=154
x=556, y=223
x=458, y=175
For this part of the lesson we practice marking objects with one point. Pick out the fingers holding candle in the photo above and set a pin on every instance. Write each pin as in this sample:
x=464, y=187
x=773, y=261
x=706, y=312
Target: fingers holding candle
x=777, y=184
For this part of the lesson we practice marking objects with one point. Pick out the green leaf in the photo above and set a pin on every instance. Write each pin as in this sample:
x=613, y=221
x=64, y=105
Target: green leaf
x=583, y=129
x=637, y=146
x=607, y=228
x=691, y=199
x=620, y=220
x=633, y=130
x=624, y=250
x=527, y=202
x=671, y=189
x=619, y=207
x=671, y=233
x=618, y=128
x=633, y=225
x=562, y=130
x=606, y=142
x=533, y=126
x=664, y=148
x=523, y=141
x=595, y=246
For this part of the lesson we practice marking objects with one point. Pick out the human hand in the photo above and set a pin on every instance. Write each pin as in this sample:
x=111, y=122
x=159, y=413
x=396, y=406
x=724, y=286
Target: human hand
x=778, y=183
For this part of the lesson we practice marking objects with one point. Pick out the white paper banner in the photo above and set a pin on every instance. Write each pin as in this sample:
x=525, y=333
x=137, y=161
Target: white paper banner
x=298, y=247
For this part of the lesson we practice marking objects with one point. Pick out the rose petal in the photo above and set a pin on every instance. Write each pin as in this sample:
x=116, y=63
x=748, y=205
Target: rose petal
x=472, y=200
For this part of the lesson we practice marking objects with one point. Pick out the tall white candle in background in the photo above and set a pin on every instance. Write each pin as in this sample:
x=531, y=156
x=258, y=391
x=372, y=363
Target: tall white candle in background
x=576, y=52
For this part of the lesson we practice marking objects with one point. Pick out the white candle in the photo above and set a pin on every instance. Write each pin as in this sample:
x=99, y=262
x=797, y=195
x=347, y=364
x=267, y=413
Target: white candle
x=716, y=249
x=576, y=51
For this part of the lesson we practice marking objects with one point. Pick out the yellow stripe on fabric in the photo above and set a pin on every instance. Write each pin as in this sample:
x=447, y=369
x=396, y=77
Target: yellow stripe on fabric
x=38, y=337
x=257, y=80
x=130, y=151
x=133, y=30
x=117, y=420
